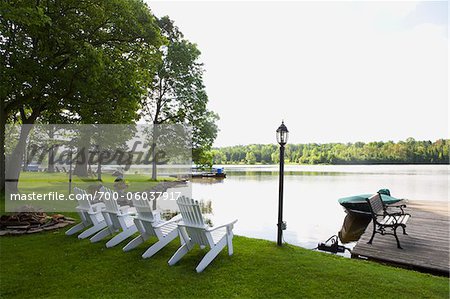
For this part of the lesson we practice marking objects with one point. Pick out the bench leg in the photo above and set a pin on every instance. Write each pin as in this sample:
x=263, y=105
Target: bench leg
x=125, y=234
x=230, y=244
x=209, y=257
x=134, y=243
x=179, y=254
x=404, y=229
x=373, y=235
x=396, y=238
x=75, y=229
x=101, y=234
x=156, y=247
x=92, y=230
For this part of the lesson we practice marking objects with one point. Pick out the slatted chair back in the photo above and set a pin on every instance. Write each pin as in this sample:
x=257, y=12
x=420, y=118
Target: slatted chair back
x=109, y=201
x=143, y=208
x=191, y=212
x=112, y=209
x=194, y=221
x=376, y=205
x=83, y=200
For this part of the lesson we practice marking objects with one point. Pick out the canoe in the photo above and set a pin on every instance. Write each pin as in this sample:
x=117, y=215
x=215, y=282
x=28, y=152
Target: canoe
x=358, y=203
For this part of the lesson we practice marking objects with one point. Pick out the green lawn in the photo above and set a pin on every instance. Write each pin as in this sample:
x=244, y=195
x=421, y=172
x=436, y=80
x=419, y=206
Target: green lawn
x=44, y=183
x=51, y=264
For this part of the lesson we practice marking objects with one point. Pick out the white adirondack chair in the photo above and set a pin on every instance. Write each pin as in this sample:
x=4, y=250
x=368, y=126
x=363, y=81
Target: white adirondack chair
x=149, y=223
x=193, y=230
x=118, y=219
x=90, y=214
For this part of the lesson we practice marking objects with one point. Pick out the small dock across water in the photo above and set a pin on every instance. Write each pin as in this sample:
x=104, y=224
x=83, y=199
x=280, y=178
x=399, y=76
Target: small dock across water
x=425, y=248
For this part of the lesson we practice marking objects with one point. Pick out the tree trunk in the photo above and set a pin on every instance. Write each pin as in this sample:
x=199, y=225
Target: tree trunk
x=81, y=162
x=25, y=159
x=2, y=145
x=15, y=160
x=153, y=150
x=82, y=156
x=99, y=165
x=51, y=151
x=51, y=159
x=154, y=163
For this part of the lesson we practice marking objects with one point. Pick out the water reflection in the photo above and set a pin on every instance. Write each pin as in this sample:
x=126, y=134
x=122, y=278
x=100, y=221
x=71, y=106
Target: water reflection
x=272, y=173
x=353, y=228
x=207, y=181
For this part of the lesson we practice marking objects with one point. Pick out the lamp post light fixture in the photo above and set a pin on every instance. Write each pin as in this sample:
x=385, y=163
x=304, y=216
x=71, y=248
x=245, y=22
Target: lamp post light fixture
x=282, y=138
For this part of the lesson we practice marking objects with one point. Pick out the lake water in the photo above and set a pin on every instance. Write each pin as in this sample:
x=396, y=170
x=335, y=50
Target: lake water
x=311, y=210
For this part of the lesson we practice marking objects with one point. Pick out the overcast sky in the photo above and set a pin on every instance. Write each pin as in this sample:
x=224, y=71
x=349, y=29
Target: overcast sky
x=334, y=71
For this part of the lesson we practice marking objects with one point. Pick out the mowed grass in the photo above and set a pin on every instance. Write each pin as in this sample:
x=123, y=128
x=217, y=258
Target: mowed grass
x=59, y=182
x=52, y=265
x=46, y=183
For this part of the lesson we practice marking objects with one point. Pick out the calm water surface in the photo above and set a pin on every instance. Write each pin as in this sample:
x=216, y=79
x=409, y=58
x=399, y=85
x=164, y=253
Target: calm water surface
x=250, y=194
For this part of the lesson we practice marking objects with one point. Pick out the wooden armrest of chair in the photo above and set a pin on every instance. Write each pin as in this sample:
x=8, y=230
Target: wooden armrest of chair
x=127, y=210
x=210, y=229
x=182, y=224
x=400, y=207
x=174, y=219
x=97, y=207
x=124, y=209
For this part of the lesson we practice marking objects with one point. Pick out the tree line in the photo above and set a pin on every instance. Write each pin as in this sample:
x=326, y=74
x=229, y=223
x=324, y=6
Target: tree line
x=402, y=152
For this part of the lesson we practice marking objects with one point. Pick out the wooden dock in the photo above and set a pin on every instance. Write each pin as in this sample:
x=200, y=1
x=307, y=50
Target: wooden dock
x=425, y=248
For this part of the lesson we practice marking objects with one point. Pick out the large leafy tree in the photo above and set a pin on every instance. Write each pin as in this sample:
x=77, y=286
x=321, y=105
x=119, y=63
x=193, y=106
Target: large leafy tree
x=177, y=94
x=85, y=58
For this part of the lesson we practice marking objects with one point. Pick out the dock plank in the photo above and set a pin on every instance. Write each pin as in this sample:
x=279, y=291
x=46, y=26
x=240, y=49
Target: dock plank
x=425, y=248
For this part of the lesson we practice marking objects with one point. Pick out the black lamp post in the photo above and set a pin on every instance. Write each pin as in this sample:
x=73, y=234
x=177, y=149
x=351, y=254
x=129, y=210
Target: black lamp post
x=70, y=171
x=282, y=138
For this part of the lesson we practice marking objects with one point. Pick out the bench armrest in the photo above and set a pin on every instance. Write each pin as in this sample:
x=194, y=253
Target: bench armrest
x=210, y=229
x=127, y=210
x=182, y=224
x=399, y=207
x=174, y=219
x=97, y=207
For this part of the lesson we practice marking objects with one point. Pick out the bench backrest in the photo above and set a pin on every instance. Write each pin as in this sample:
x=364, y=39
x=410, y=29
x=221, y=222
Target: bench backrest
x=109, y=200
x=190, y=212
x=143, y=208
x=376, y=204
x=83, y=200
x=194, y=221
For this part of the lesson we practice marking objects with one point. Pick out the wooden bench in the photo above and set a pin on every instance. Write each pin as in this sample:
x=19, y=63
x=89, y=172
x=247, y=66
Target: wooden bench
x=384, y=222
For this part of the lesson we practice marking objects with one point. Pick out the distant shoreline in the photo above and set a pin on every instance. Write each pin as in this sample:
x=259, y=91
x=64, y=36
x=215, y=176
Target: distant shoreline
x=409, y=151
x=324, y=164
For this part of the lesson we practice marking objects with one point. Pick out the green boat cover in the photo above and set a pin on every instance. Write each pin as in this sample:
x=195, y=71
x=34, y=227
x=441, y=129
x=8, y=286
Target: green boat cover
x=362, y=199
x=358, y=203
